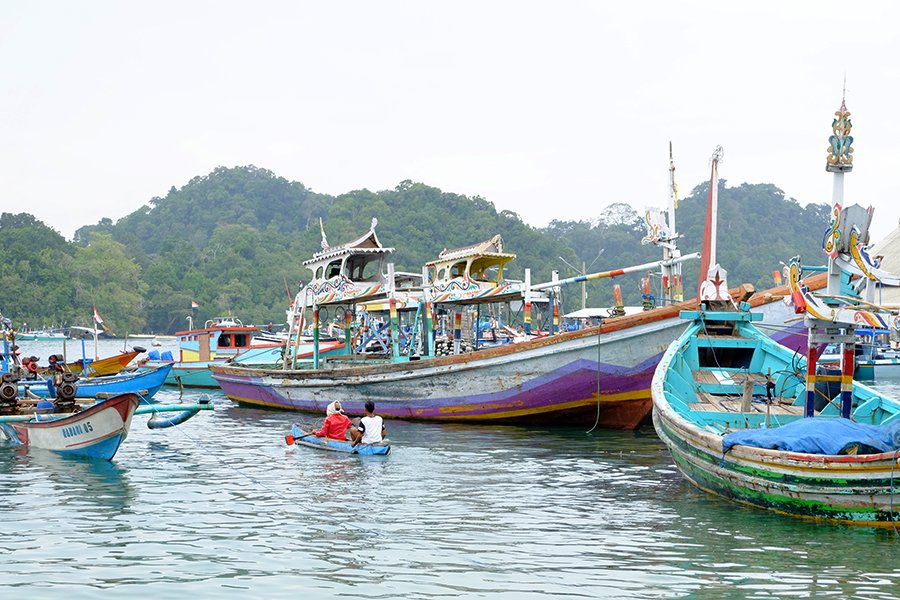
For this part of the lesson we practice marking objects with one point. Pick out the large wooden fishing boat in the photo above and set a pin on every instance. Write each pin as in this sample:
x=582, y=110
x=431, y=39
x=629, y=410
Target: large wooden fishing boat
x=594, y=376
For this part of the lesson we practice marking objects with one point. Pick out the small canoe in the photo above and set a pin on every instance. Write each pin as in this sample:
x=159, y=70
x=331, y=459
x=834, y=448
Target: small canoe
x=302, y=437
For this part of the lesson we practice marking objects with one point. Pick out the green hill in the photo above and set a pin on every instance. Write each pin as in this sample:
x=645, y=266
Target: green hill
x=233, y=239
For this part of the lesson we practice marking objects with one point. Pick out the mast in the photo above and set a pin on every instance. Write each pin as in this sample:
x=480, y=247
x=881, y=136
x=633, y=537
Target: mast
x=708, y=258
x=672, y=286
x=661, y=232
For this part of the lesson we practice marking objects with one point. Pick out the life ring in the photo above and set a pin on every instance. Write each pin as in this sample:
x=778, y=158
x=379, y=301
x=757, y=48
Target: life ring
x=31, y=366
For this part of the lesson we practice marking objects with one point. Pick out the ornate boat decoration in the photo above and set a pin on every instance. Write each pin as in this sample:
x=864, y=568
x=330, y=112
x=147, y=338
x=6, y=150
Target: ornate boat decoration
x=473, y=273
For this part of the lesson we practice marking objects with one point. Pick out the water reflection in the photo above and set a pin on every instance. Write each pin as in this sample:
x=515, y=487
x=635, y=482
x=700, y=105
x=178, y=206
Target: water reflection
x=220, y=504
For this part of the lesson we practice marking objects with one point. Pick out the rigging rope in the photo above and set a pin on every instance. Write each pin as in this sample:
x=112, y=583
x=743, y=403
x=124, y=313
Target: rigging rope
x=597, y=421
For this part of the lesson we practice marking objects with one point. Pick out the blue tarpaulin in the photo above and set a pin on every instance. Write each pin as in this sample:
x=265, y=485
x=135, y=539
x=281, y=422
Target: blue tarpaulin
x=820, y=435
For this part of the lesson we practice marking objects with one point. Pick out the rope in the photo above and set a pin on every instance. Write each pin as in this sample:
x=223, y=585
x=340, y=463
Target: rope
x=597, y=421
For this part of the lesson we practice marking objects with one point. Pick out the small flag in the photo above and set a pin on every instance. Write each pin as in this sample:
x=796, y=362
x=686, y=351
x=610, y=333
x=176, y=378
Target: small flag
x=194, y=304
x=99, y=321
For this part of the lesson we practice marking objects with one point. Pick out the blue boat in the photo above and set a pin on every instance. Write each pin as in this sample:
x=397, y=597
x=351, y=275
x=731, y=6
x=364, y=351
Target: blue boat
x=145, y=382
x=302, y=437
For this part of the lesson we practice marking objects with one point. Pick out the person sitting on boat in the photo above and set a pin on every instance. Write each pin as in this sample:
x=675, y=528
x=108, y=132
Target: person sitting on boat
x=371, y=427
x=336, y=423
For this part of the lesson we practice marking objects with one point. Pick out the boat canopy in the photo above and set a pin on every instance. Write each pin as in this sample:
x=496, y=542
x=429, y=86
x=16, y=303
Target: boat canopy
x=482, y=262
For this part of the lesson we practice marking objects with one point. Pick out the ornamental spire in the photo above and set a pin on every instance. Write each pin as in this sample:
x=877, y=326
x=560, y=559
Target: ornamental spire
x=840, y=154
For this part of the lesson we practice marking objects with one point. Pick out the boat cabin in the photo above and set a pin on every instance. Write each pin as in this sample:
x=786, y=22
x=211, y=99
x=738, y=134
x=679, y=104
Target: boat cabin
x=349, y=272
x=472, y=274
x=222, y=337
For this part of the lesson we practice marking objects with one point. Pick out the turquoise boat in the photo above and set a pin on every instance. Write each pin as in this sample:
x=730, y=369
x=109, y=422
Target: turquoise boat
x=750, y=420
x=302, y=437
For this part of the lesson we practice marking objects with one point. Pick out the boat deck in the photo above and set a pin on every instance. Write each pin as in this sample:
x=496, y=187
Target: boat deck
x=731, y=403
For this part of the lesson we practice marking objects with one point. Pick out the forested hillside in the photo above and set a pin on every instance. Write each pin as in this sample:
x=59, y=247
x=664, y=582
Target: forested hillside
x=233, y=239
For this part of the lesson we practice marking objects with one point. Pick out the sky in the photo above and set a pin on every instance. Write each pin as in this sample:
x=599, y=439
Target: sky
x=552, y=110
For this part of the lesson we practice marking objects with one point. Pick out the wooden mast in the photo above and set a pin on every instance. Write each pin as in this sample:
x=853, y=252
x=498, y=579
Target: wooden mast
x=708, y=257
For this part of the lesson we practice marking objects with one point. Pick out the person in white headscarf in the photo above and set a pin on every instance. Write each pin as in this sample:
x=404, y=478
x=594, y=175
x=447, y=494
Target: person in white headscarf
x=336, y=423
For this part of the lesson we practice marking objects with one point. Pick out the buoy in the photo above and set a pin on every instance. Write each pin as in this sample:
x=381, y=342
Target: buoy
x=289, y=440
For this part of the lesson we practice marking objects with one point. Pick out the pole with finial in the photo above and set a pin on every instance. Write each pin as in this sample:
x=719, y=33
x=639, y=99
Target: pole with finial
x=838, y=162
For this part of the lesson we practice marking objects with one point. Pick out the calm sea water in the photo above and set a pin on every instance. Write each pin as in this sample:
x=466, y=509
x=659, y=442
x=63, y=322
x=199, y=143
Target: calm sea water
x=221, y=507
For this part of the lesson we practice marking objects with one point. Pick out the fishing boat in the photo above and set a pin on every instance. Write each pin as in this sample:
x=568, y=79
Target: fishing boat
x=41, y=335
x=302, y=437
x=595, y=376
x=875, y=360
x=751, y=421
x=145, y=382
x=220, y=339
x=95, y=431
x=109, y=365
x=730, y=404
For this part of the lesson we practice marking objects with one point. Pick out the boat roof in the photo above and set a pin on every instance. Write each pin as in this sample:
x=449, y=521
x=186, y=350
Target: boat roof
x=492, y=248
x=368, y=243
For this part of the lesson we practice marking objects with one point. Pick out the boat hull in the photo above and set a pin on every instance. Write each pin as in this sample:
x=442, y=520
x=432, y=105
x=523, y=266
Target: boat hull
x=196, y=375
x=549, y=380
x=145, y=382
x=95, y=432
x=800, y=485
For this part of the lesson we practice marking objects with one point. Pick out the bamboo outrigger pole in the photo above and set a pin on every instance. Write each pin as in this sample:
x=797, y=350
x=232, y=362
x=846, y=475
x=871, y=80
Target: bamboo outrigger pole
x=616, y=272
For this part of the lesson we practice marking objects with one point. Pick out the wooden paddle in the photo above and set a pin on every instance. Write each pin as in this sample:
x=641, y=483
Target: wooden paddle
x=289, y=439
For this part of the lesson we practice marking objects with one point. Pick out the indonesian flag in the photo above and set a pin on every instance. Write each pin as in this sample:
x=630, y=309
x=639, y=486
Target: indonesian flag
x=194, y=304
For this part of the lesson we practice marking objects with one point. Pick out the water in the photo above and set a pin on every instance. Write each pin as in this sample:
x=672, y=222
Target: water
x=221, y=507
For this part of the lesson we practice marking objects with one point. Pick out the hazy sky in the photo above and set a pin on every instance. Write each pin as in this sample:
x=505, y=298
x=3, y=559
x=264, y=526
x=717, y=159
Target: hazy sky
x=549, y=109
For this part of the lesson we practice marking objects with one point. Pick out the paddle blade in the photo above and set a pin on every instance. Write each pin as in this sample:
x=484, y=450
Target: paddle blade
x=289, y=440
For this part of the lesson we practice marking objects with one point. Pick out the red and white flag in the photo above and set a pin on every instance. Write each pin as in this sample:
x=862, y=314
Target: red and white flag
x=194, y=304
x=97, y=318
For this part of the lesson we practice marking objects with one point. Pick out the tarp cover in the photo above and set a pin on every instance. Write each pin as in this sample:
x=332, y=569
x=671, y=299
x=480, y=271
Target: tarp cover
x=820, y=435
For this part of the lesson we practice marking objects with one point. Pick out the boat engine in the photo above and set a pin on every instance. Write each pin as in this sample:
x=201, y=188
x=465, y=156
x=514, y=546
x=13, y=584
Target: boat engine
x=9, y=392
x=65, y=392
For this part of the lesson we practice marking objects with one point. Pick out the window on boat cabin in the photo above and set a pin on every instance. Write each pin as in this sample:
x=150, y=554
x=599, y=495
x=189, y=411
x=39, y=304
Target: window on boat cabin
x=482, y=270
x=319, y=272
x=224, y=341
x=240, y=340
x=364, y=267
x=333, y=269
x=458, y=269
